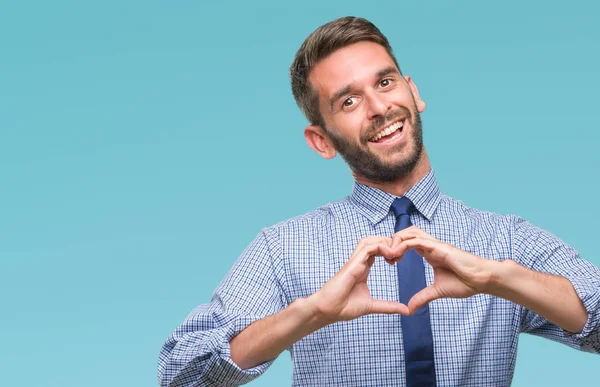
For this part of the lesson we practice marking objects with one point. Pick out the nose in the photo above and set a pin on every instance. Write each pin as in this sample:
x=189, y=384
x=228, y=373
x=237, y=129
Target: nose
x=378, y=104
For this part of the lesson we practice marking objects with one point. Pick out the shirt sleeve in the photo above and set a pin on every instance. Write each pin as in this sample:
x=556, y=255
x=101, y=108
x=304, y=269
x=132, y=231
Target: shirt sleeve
x=197, y=353
x=543, y=252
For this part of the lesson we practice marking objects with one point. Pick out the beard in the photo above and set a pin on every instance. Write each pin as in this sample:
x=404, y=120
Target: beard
x=365, y=163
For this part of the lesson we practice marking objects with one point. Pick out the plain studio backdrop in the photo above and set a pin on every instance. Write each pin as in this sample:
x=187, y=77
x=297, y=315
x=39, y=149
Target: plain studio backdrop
x=144, y=144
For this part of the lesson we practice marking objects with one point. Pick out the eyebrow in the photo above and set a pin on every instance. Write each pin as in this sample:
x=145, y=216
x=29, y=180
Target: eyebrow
x=348, y=88
x=387, y=71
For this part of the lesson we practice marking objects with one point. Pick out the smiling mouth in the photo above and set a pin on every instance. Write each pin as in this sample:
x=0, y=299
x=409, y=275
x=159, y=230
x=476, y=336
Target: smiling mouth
x=388, y=131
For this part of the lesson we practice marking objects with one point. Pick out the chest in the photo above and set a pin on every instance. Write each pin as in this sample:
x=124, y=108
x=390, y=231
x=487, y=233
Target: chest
x=311, y=258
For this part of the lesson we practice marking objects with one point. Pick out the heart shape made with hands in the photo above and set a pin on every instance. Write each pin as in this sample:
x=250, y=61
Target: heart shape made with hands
x=346, y=295
x=457, y=273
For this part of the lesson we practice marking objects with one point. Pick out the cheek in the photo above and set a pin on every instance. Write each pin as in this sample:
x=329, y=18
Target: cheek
x=349, y=125
x=402, y=97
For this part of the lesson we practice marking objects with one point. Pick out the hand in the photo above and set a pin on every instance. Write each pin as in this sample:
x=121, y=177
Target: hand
x=457, y=273
x=346, y=295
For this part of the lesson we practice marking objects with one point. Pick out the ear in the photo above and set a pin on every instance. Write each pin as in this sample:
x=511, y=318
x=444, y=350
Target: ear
x=415, y=92
x=318, y=140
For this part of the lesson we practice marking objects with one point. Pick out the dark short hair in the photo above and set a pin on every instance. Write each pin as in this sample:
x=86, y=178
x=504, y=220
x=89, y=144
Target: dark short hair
x=320, y=44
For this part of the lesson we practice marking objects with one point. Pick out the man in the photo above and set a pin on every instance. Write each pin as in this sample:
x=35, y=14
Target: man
x=397, y=284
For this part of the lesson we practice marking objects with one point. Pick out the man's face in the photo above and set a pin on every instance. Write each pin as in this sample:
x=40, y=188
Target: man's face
x=371, y=112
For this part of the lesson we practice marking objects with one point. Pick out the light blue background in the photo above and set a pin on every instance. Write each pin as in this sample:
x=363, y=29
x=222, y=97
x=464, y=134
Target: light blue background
x=144, y=144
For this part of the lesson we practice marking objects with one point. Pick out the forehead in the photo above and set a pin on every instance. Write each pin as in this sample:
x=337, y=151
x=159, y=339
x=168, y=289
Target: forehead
x=352, y=64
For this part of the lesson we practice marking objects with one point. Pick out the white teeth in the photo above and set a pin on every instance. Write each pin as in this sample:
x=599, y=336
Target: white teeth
x=388, y=130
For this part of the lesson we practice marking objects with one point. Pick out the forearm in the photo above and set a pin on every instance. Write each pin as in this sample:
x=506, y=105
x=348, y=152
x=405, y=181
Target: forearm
x=550, y=296
x=265, y=339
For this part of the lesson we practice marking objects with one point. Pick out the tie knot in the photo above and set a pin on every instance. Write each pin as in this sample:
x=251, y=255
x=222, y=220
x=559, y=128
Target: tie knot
x=402, y=206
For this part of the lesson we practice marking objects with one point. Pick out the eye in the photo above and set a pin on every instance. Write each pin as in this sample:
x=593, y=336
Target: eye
x=348, y=102
x=385, y=82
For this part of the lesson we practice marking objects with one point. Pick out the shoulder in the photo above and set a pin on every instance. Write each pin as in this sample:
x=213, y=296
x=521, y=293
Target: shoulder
x=476, y=227
x=313, y=221
x=460, y=212
x=523, y=236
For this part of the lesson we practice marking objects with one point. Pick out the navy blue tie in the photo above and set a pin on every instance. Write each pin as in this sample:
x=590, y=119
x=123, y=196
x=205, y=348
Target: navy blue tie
x=416, y=329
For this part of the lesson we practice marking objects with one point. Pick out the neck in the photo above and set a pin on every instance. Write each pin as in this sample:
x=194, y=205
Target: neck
x=403, y=184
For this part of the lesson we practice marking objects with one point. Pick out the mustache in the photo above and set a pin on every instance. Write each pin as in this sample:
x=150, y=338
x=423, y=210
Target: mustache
x=380, y=122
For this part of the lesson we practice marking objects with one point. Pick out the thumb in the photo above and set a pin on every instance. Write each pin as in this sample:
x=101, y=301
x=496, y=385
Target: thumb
x=389, y=307
x=423, y=297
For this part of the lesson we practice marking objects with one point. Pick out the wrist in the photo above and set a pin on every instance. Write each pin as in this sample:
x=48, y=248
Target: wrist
x=478, y=275
x=502, y=274
x=310, y=313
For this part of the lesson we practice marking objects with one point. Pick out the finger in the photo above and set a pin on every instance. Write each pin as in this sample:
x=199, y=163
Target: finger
x=366, y=248
x=413, y=232
x=367, y=245
x=359, y=263
x=393, y=261
x=390, y=254
x=371, y=261
x=422, y=234
x=389, y=307
x=422, y=298
x=406, y=234
x=424, y=246
x=397, y=239
x=386, y=250
x=372, y=246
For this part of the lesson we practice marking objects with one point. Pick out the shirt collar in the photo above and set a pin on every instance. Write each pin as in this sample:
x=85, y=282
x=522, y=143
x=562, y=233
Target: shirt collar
x=375, y=204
